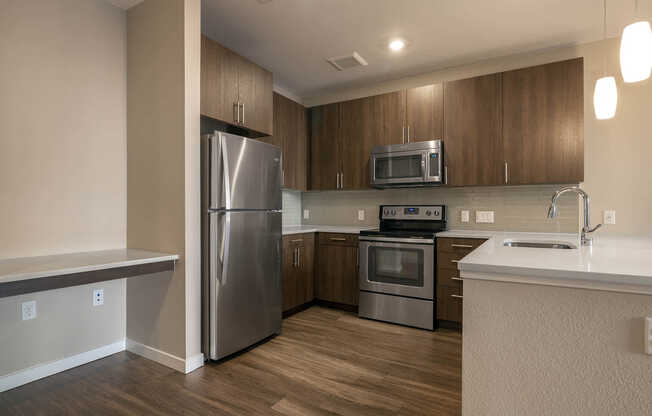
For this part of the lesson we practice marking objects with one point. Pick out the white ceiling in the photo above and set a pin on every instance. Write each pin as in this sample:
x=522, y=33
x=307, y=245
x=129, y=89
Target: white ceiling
x=292, y=38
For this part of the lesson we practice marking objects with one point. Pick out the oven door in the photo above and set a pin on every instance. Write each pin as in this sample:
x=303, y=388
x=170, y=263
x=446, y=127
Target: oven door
x=398, y=168
x=398, y=268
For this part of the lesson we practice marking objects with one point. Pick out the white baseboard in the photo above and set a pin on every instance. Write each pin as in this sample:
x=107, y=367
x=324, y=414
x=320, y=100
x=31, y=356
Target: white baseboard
x=194, y=363
x=39, y=371
x=167, y=359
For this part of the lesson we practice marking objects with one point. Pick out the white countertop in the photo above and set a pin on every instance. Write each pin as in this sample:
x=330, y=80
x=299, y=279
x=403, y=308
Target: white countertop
x=622, y=264
x=24, y=268
x=300, y=229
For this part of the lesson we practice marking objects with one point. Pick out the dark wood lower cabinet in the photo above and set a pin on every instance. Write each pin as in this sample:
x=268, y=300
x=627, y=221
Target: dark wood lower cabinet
x=298, y=270
x=336, y=277
x=450, y=289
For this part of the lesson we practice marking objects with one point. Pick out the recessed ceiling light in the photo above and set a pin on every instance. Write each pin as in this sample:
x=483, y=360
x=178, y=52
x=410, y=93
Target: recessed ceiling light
x=396, y=45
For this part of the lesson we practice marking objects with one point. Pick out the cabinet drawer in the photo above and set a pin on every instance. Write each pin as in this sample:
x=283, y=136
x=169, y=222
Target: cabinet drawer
x=448, y=277
x=459, y=245
x=446, y=260
x=338, y=239
x=298, y=240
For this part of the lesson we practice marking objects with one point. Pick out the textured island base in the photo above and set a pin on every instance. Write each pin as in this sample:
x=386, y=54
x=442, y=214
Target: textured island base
x=543, y=350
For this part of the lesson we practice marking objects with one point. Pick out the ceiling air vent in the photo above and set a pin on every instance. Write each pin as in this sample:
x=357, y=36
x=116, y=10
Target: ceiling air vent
x=347, y=61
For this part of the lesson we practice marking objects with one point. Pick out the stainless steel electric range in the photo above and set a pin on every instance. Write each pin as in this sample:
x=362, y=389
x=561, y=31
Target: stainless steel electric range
x=397, y=265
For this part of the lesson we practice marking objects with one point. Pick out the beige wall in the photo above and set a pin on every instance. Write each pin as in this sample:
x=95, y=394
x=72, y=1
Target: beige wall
x=163, y=171
x=520, y=208
x=542, y=350
x=62, y=167
x=617, y=152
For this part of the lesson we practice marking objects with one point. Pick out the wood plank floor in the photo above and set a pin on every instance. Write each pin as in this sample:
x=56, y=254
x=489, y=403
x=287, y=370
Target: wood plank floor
x=325, y=362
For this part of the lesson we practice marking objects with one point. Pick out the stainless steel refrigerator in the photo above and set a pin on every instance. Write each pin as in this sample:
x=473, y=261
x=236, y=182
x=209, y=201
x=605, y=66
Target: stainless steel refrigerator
x=241, y=243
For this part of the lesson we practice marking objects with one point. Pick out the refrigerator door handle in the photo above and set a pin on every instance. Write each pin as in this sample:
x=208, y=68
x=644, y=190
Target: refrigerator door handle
x=226, y=177
x=213, y=170
x=226, y=240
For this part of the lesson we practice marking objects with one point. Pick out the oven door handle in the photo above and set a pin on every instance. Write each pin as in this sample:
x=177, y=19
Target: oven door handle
x=397, y=240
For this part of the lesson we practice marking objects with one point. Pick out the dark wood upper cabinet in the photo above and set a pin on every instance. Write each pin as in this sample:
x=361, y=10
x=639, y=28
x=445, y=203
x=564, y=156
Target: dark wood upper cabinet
x=390, y=109
x=473, y=147
x=325, y=164
x=229, y=80
x=291, y=135
x=359, y=129
x=425, y=113
x=543, y=127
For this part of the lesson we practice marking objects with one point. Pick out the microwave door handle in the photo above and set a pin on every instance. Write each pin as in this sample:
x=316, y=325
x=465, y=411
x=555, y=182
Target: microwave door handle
x=423, y=166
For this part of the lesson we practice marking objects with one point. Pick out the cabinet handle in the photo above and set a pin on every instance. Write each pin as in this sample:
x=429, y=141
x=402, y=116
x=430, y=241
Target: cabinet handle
x=454, y=261
x=243, y=119
x=445, y=175
x=506, y=173
x=457, y=296
x=298, y=240
x=357, y=257
x=408, y=134
x=338, y=180
x=461, y=245
x=403, y=134
x=294, y=258
x=456, y=278
x=298, y=257
x=337, y=239
x=342, y=180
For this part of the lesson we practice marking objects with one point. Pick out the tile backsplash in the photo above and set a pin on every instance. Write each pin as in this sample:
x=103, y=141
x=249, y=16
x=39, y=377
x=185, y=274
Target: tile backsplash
x=516, y=208
x=291, y=208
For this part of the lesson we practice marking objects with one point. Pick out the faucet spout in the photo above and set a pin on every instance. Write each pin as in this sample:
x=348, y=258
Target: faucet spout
x=586, y=229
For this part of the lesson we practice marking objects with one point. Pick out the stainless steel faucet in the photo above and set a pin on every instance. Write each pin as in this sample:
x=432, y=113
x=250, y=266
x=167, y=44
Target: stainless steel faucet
x=586, y=229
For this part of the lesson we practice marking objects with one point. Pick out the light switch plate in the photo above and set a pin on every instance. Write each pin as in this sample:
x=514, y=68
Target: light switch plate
x=465, y=216
x=486, y=217
x=609, y=217
x=28, y=310
x=361, y=215
x=648, y=335
x=306, y=214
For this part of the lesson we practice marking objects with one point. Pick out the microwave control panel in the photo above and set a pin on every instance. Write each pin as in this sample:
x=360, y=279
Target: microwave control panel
x=416, y=212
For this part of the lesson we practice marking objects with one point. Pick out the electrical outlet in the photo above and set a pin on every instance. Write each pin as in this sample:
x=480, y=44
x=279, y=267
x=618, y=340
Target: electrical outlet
x=465, y=215
x=306, y=214
x=29, y=310
x=98, y=297
x=361, y=215
x=648, y=335
x=486, y=217
x=609, y=217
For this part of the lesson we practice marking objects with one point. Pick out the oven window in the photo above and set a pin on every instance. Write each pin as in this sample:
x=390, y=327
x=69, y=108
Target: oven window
x=396, y=167
x=403, y=266
x=434, y=165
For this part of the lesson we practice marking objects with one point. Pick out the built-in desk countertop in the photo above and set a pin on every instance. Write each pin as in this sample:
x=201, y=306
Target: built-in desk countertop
x=35, y=274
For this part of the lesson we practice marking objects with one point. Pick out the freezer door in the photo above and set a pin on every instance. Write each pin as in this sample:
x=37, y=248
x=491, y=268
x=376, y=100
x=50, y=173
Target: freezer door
x=245, y=265
x=244, y=173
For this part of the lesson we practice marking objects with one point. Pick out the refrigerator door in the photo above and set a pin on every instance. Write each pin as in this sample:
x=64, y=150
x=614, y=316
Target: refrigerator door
x=245, y=279
x=244, y=173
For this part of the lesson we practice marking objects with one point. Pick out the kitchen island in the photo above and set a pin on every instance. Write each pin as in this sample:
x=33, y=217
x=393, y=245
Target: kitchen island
x=554, y=331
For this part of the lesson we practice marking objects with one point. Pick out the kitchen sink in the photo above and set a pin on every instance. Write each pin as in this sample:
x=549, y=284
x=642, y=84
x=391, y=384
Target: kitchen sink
x=540, y=244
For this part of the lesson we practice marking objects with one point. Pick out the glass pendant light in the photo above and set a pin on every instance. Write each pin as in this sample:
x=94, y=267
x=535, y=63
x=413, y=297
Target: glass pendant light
x=605, y=94
x=636, y=51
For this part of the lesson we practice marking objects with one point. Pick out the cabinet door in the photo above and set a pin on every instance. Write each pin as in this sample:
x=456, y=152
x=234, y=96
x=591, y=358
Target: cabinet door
x=425, y=113
x=360, y=127
x=300, y=149
x=289, y=275
x=219, y=81
x=544, y=123
x=337, y=274
x=449, y=304
x=290, y=132
x=390, y=109
x=255, y=97
x=325, y=145
x=473, y=147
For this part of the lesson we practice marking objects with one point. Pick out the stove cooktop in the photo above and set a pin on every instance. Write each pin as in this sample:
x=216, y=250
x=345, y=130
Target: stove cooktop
x=398, y=233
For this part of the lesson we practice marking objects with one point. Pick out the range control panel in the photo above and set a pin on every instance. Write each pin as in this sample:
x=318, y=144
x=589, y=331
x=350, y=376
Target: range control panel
x=415, y=212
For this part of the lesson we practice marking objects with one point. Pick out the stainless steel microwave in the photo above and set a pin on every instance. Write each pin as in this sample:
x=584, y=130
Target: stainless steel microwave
x=407, y=165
